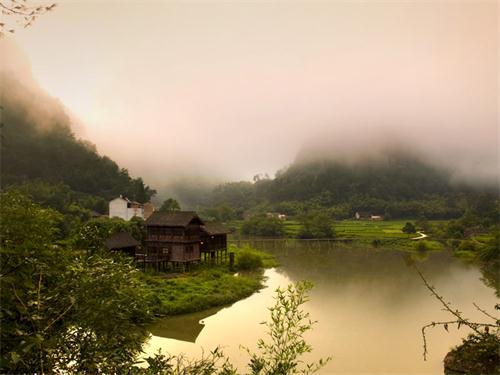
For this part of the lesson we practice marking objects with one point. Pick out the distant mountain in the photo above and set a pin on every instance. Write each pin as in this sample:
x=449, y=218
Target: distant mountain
x=397, y=185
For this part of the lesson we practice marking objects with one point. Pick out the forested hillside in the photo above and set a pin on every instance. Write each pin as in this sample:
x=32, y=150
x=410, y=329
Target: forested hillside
x=396, y=186
x=39, y=150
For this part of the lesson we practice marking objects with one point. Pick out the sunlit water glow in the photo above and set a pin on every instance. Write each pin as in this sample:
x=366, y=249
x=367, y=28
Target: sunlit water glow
x=370, y=306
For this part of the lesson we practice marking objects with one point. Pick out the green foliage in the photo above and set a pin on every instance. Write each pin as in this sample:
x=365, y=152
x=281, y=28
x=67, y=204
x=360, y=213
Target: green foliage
x=263, y=226
x=60, y=309
x=490, y=252
x=421, y=245
x=38, y=143
x=198, y=290
x=409, y=228
x=240, y=196
x=170, y=204
x=454, y=229
x=316, y=224
x=281, y=355
x=213, y=363
x=221, y=213
x=91, y=235
x=401, y=187
x=248, y=261
x=65, y=311
x=107, y=320
x=478, y=354
x=268, y=260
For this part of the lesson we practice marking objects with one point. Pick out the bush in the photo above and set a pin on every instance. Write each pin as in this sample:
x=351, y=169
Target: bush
x=248, y=261
x=316, y=225
x=421, y=246
x=467, y=245
x=263, y=226
x=409, y=228
x=478, y=354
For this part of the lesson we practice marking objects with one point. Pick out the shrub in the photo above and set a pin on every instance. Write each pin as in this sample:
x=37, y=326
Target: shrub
x=409, y=228
x=263, y=226
x=421, y=246
x=316, y=225
x=467, y=245
x=249, y=261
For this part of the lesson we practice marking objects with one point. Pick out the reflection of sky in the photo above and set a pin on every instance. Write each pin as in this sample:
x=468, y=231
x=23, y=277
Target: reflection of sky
x=230, y=327
x=370, y=311
x=172, y=78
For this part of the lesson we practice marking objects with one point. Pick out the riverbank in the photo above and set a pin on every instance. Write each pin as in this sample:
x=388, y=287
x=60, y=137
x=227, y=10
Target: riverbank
x=205, y=286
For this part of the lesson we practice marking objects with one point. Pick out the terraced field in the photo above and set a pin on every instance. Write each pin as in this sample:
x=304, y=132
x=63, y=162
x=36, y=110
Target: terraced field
x=357, y=229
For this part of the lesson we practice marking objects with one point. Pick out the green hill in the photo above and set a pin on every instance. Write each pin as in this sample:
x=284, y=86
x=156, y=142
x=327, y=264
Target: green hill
x=38, y=144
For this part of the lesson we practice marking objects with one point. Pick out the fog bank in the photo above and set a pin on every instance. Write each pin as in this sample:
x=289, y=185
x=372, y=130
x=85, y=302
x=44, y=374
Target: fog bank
x=229, y=90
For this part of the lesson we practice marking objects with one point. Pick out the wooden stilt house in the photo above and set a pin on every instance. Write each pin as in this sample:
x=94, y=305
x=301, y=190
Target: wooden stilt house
x=174, y=236
x=214, y=242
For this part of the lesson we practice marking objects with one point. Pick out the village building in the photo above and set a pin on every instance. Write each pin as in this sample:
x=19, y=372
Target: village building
x=125, y=209
x=365, y=215
x=149, y=208
x=122, y=242
x=181, y=237
x=174, y=236
x=277, y=215
x=214, y=242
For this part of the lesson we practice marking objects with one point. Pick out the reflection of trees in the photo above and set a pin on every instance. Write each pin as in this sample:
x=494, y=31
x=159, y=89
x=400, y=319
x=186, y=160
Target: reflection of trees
x=332, y=265
x=491, y=276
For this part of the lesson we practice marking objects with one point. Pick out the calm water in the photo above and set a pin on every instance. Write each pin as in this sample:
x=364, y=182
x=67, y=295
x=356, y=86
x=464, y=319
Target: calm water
x=370, y=306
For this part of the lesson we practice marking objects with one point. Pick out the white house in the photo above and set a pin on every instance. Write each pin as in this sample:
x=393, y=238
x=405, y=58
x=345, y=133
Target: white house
x=125, y=209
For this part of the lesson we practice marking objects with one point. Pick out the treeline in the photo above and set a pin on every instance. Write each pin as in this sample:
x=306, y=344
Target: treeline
x=37, y=144
x=398, y=187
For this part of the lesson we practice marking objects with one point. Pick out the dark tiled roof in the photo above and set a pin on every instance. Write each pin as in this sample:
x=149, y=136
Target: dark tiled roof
x=95, y=214
x=173, y=218
x=120, y=240
x=215, y=228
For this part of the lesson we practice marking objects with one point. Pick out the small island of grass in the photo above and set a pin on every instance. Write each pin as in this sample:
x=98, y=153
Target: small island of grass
x=207, y=285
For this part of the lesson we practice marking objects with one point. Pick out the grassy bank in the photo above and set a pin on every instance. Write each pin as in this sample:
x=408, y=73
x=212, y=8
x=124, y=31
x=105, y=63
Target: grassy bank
x=205, y=286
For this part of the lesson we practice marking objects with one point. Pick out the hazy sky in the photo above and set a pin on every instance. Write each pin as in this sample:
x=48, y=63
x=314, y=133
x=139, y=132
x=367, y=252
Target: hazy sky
x=235, y=88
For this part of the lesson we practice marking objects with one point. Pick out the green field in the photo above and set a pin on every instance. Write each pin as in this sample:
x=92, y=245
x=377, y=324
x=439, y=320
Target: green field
x=356, y=229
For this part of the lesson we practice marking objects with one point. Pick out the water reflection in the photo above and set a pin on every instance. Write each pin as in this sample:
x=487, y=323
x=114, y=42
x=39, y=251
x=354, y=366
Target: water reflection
x=370, y=304
x=186, y=327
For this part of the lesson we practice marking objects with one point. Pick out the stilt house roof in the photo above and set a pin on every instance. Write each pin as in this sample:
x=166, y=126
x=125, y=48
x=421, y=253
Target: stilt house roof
x=121, y=240
x=173, y=219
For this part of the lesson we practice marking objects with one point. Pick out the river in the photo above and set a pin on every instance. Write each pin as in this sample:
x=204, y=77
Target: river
x=370, y=305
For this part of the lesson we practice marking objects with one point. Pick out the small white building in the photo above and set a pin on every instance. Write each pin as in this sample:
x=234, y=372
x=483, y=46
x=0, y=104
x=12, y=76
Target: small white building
x=125, y=209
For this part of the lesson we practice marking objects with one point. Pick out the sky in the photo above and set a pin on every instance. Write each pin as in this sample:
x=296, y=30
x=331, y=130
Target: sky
x=229, y=89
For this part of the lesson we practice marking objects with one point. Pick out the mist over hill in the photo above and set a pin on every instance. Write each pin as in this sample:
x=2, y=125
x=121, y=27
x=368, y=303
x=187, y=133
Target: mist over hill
x=38, y=143
x=394, y=184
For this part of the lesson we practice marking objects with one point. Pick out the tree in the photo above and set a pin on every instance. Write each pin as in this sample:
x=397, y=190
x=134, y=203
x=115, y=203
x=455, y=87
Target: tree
x=316, y=224
x=263, y=226
x=60, y=308
x=170, y=204
x=285, y=331
x=478, y=353
x=409, y=228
